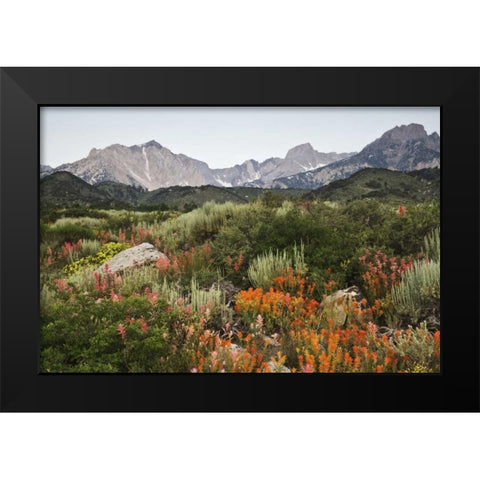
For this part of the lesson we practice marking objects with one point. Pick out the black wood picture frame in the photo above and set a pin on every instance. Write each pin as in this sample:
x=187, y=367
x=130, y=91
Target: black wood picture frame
x=24, y=90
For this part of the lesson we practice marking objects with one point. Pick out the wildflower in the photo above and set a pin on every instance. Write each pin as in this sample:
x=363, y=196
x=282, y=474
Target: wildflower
x=114, y=297
x=371, y=328
x=307, y=368
x=121, y=330
x=436, y=340
x=372, y=356
x=143, y=325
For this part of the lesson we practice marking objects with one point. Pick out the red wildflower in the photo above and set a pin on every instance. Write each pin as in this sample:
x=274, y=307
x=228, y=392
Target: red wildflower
x=121, y=330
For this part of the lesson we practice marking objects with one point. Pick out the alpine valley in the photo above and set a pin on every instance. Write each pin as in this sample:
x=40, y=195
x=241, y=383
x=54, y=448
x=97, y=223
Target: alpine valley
x=153, y=262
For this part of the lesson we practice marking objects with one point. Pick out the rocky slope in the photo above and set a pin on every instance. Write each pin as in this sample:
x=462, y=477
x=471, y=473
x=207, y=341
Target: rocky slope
x=152, y=166
x=403, y=148
x=45, y=170
x=149, y=165
x=301, y=158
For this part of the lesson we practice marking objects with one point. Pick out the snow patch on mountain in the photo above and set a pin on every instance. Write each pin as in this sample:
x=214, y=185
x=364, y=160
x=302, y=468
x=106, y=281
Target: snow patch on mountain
x=147, y=164
x=222, y=182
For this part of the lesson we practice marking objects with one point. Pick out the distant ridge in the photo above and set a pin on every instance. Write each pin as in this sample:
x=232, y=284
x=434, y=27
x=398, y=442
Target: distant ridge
x=404, y=148
x=63, y=189
x=151, y=165
x=417, y=186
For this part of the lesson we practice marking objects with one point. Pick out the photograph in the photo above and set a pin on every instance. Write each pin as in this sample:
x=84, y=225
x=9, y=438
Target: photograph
x=240, y=239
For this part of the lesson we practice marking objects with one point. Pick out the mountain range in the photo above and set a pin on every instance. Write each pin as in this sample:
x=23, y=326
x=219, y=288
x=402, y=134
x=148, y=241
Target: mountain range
x=151, y=166
x=403, y=148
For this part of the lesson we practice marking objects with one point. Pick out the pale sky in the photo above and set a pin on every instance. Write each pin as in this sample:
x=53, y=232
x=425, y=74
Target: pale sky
x=221, y=136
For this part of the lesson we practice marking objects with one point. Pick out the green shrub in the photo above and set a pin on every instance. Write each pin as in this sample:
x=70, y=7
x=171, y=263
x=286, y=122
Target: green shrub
x=110, y=335
x=420, y=348
x=432, y=245
x=137, y=279
x=68, y=233
x=89, y=222
x=90, y=247
x=264, y=268
x=195, y=227
x=418, y=291
x=212, y=298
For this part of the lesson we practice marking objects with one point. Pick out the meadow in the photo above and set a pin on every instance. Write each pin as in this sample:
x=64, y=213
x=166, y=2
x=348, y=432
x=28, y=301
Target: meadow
x=243, y=288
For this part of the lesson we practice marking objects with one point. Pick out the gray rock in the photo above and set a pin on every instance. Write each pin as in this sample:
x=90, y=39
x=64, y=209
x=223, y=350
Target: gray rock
x=270, y=341
x=282, y=369
x=142, y=254
x=336, y=306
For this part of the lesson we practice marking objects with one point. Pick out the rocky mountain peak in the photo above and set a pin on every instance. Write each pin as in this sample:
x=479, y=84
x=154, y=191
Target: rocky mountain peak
x=404, y=148
x=251, y=161
x=300, y=150
x=403, y=133
x=93, y=151
x=152, y=143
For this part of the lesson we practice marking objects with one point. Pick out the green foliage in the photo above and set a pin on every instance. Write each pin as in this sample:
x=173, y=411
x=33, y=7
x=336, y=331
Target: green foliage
x=388, y=185
x=84, y=334
x=265, y=267
x=378, y=225
x=90, y=247
x=198, y=225
x=419, y=289
x=67, y=233
x=64, y=188
x=432, y=245
x=189, y=206
x=241, y=236
x=417, y=296
x=213, y=298
x=418, y=349
x=272, y=199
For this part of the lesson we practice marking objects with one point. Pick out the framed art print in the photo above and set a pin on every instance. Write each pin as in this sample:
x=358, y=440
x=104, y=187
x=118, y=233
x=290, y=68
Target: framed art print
x=239, y=239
